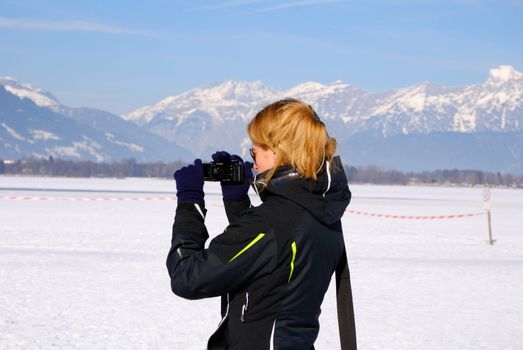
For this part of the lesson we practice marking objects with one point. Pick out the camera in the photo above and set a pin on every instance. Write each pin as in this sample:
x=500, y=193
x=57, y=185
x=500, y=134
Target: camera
x=230, y=172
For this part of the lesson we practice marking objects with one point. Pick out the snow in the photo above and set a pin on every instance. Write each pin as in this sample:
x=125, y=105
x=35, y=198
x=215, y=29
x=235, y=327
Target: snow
x=69, y=151
x=419, y=109
x=91, y=274
x=12, y=132
x=43, y=135
x=313, y=91
x=8, y=80
x=130, y=146
x=464, y=122
x=34, y=95
x=503, y=74
x=143, y=115
x=307, y=88
x=87, y=145
x=91, y=147
x=214, y=100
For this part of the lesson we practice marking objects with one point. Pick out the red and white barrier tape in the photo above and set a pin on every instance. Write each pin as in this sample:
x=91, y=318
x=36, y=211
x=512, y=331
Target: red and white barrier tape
x=86, y=199
x=351, y=211
x=413, y=217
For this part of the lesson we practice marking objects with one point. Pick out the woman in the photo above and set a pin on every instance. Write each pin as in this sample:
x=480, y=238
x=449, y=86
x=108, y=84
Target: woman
x=272, y=265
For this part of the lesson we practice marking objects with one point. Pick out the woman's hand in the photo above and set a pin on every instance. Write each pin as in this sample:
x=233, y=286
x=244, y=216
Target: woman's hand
x=234, y=192
x=189, y=183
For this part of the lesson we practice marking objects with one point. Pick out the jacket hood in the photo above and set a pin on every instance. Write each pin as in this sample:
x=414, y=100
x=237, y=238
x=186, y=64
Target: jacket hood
x=325, y=198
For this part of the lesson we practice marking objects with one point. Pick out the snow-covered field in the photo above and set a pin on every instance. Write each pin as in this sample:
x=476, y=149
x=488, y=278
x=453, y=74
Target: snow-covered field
x=90, y=274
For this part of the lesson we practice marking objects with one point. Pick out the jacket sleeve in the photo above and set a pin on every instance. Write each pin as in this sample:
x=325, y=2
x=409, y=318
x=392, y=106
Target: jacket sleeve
x=234, y=209
x=243, y=252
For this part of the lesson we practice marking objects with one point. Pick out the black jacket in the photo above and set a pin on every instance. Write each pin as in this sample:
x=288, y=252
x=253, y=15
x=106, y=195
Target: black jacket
x=272, y=265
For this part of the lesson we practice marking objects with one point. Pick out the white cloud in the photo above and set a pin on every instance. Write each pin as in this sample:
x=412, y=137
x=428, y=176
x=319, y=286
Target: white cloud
x=303, y=3
x=83, y=26
x=232, y=3
x=267, y=5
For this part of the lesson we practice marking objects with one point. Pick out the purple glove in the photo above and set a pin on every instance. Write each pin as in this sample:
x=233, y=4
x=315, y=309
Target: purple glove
x=189, y=183
x=234, y=192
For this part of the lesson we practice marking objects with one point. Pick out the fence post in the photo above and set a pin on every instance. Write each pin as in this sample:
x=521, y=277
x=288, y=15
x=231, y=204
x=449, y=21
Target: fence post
x=488, y=208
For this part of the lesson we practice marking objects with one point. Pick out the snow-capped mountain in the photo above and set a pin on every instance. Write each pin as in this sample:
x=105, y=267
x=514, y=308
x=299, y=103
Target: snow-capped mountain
x=202, y=119
x=39, y=96
x=34, y=123
x=385, y=128
x=496, y=105
x=206, y=119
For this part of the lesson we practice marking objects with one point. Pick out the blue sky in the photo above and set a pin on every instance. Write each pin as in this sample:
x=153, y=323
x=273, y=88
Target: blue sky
x=122, y=55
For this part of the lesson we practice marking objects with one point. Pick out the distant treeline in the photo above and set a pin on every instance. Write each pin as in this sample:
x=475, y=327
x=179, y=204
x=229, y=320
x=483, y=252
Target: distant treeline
x=70, y=168
x=369, y=174
x=375, y=175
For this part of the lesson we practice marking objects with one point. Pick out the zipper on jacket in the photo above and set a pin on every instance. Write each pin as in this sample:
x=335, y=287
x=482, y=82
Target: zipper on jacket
x=226, y=313
x=245, y=307
x=218, y=328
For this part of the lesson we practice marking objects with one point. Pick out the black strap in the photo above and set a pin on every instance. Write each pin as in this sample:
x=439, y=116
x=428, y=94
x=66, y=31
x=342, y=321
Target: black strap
x=346, y=322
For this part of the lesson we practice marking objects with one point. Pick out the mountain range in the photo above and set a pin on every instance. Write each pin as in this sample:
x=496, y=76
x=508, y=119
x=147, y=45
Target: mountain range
x=421, y=127
x=34, y=124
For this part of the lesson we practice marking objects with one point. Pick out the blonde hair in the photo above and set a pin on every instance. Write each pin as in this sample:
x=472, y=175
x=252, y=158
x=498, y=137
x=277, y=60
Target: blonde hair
x=294, y=132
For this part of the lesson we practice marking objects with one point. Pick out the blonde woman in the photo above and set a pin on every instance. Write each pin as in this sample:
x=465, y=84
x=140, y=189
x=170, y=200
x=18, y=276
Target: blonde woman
x=273, y=264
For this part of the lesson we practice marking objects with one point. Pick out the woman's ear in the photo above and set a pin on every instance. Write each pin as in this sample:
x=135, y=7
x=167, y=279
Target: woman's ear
x=275, y=158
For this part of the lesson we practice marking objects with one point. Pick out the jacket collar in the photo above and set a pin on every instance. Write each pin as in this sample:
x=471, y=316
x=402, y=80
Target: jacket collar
x=325, y=198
